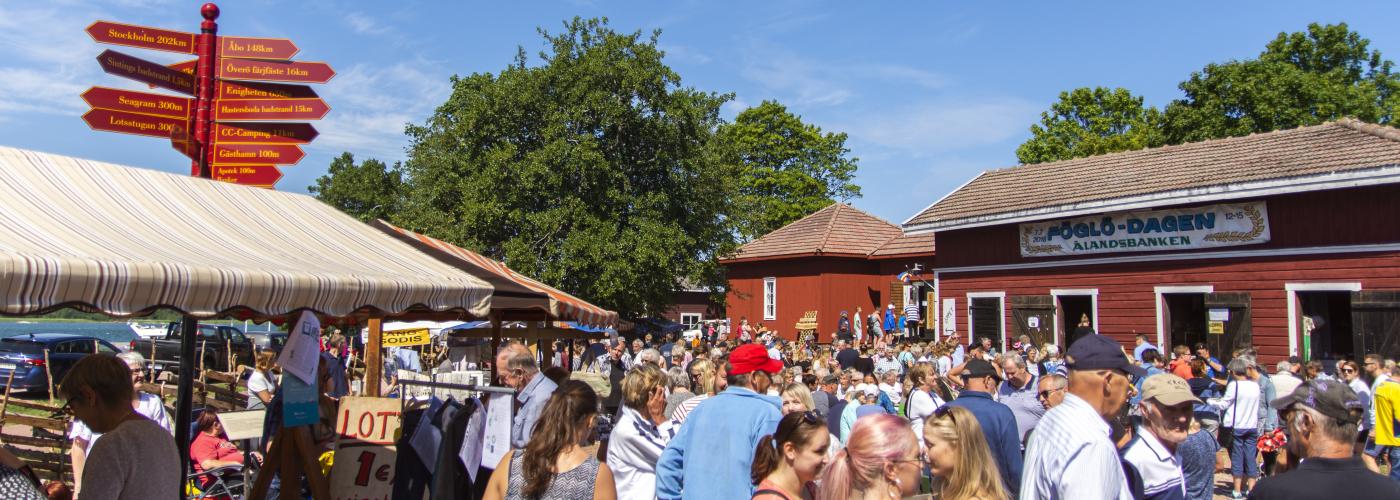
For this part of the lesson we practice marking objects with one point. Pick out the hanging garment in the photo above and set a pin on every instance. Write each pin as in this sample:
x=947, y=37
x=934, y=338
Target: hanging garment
x=411, y=476
x=451, y=481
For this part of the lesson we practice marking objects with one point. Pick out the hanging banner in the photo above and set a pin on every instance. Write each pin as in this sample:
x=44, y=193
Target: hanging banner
x=365, y=452
x=1148, y=231
x=302, y=354
x=403, y=338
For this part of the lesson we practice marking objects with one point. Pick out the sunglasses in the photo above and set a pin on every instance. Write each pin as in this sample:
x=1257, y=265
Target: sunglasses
x=1045, y=394
x=1348, y=370
x=945, y=411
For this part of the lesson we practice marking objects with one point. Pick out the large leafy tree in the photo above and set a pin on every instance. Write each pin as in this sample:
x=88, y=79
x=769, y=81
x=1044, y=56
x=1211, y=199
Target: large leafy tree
x=593, y=170
x=1087, y=122
x=789, y=169
x=1301, y=78
x=370, y=190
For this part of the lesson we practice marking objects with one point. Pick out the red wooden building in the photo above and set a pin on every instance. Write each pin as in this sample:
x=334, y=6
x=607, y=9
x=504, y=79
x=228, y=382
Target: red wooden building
x=837, y=259
x=1288, y=241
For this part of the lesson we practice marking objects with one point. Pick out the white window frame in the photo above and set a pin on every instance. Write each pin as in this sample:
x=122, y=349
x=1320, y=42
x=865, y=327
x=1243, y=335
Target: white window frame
x=1001, y=316
x=698, y=318
x=1159, y=291
x=1093, y=293
x=770, y=303
x=1292, y=289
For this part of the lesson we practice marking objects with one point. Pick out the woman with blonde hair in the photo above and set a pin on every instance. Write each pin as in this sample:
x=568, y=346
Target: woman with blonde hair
x=958, y=457
x=708, y=380
x=881, y=460
x=262, y=383
x=797, y=398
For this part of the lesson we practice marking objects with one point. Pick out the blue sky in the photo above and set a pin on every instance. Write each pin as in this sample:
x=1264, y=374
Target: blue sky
x=931, y=93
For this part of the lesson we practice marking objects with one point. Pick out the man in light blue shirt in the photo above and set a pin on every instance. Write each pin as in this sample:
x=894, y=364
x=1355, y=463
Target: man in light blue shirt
x=712, y=455
x=1142, y=345
x=517, y=369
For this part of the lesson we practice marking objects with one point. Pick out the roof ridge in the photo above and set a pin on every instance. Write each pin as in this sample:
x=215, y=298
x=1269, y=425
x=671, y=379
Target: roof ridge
x=830, y=224
x=1378, y=130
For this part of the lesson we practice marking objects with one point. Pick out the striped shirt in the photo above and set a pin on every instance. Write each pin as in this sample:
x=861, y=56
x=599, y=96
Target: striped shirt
x=685, y=407
x=1071, y=457
x=1161, y=474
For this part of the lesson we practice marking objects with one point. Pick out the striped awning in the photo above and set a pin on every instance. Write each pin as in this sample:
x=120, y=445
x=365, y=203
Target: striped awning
x=561, y=305
x=124, y=241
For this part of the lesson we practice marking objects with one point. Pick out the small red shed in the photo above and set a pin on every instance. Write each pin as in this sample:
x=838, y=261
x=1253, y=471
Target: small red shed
x=836, y=259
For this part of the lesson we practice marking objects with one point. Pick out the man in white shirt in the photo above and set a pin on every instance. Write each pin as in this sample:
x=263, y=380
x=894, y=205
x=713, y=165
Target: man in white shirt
x=1070, y=455
x=1166, y=422
x=1285, y=381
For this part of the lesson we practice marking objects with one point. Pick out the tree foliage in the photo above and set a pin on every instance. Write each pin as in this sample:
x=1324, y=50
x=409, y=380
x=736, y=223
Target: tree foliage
x=789, y=169
x=1301, y=78
x=367, y=191
x=590, y=171
x=1087, y=122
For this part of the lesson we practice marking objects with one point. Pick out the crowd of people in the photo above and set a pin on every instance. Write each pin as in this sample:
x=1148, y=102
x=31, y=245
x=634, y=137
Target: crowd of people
x=776, y=419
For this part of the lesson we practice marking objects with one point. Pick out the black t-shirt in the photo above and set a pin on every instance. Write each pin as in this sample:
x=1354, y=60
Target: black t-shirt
x=865, y=365
x=847, y=357
x=1327, y=479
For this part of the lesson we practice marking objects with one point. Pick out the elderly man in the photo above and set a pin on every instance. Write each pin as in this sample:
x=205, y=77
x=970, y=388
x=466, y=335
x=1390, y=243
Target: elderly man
x=136, y=457
x=1321, y=418
x=1141, y=344
x=998, y=422
x=613, y=364
x=1166, y=408
x=517, y=369
x=1070, y=456
x=1050, y=391
x=1018, y=392
x=712, y=455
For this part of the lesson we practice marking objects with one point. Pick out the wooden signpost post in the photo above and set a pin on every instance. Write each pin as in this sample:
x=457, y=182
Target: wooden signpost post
x=228, y=83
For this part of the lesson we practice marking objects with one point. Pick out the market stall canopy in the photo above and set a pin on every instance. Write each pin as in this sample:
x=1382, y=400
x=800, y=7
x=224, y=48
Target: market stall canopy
x=560, y=306
x=557, y=330
x=124, y=241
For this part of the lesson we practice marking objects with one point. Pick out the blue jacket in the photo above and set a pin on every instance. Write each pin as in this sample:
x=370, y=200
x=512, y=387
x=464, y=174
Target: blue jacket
x=889, y=320
x=712, y=455
x=999, y=425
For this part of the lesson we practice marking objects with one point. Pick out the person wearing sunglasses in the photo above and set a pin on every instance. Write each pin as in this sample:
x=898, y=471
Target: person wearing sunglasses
x=1321, y=418
x=1070, y=455
x=958, y=457
x=882, y=460
x=1050, y=390
x=786, y=462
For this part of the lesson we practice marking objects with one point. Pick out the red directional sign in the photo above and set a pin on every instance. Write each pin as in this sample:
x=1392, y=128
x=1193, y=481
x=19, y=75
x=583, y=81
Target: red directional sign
x=264, y=133
x=270, y=109
x=131, y=123
x=180, y=140
x=249, y=175
x=257, y=48
x=260, y=90
x=257, y=154
x=276, y=71
x=138, y=102
x=142, y=36
x=145, y=71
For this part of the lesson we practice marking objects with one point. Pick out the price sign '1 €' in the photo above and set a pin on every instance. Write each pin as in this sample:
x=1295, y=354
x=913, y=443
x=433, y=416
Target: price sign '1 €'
x=364, y=453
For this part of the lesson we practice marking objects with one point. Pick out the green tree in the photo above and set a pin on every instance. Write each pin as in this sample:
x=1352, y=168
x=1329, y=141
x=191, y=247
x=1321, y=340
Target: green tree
x=1087, y=122
x=1301, y=78
x=367, y=191
x=789, y=169
x=592, y=171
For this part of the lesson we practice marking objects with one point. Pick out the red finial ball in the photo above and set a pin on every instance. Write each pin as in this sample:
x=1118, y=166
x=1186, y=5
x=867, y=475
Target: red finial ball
x=210, y=11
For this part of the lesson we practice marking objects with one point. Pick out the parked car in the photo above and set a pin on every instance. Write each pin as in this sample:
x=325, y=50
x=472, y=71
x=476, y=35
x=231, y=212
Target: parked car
x=269, y=340
x=215, y=340
x=23, y=356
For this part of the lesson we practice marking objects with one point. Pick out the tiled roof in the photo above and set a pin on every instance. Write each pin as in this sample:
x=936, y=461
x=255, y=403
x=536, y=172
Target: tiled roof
x=905, y=245
x=1215, y=166
x=837, y=229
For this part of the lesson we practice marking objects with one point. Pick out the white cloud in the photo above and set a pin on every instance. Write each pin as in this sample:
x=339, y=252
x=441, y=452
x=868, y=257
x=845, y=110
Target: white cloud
x=372, y=104
x=828, y=83
x=684, y=54
x=364, y=25
x=933, y=127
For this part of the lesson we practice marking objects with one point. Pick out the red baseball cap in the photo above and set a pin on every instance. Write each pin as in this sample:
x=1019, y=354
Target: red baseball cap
x=750, y=357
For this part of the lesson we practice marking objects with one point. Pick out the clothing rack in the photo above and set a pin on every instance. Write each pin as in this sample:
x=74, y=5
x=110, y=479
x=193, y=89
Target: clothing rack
x=461, y=387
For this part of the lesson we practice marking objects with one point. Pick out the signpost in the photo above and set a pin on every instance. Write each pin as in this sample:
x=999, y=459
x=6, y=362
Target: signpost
x=230, y=81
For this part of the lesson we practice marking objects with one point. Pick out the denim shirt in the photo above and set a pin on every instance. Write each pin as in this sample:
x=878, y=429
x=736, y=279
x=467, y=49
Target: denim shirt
x=532, y=400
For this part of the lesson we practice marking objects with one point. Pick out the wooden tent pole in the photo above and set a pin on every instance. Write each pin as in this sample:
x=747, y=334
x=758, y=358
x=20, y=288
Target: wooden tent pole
x=495, y=342
x=373, y=366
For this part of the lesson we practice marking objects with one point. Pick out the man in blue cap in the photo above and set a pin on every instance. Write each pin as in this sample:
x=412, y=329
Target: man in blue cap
x=1070, y=454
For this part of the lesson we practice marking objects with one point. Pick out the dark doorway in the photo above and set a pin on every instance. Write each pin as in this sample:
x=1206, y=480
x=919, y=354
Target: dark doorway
x=1073, y=309
x=1185, y=318
x=986, y=319
x=1326, y=326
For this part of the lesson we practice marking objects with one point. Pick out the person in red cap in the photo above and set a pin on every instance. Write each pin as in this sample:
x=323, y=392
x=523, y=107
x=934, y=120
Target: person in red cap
x=712, y=455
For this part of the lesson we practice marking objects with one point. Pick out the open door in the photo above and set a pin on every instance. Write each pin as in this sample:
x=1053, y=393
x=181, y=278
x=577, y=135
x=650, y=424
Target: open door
x=1376, y=322
x=1033, y=315
x=1228, y=322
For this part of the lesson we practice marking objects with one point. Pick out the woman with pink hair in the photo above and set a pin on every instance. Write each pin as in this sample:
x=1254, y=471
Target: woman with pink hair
x=881, y=460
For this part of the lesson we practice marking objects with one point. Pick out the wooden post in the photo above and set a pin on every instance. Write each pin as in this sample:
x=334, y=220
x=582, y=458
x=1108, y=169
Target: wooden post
x=373, y=347
x=202, y=342
x=153, y=361
x=228, y=353
x=6, y=406
x=495, y=344
x=48, y=372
